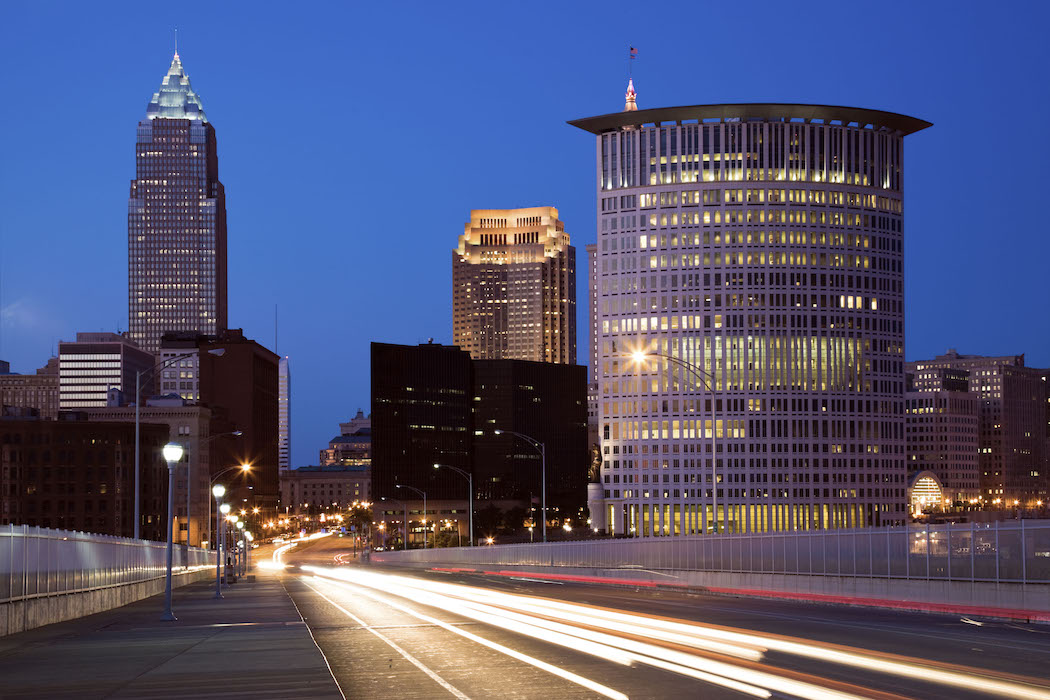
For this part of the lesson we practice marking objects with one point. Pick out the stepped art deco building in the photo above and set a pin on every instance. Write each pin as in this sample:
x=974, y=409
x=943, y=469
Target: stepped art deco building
x=751, y=318
x=514, y=287
x=176, y=219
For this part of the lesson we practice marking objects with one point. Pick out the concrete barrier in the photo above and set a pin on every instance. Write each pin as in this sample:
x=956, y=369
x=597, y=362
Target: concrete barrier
x=28, y=613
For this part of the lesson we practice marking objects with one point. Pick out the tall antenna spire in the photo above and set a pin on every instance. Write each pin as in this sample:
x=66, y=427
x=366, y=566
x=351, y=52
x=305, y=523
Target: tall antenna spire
x=631, y=104
x=176, y=42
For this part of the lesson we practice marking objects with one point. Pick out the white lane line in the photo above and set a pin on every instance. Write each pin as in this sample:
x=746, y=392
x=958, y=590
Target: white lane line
x=531, y=660
x=393, y=645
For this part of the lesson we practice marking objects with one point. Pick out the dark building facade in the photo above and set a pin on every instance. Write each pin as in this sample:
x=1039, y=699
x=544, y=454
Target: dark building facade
x=421, y=415
x=75, y=475
x=433, y=404
x=548, y=403
x=176, y=219
x=240, y=387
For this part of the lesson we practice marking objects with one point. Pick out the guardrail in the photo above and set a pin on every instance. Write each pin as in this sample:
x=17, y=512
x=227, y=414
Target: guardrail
x=999, y=552
x=37, y=562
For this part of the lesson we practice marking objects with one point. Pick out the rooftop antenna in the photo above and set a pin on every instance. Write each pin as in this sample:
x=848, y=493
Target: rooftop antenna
x=176, y=42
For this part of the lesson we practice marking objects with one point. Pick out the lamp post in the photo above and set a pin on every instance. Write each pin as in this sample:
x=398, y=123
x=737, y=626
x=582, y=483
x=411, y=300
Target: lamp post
x=218, y=491
x=708, y=381
x=243, y=467
x=248, y=551
x=539, y=446
x=424, y=495
x=224, y=510
x=470, y=484
x=218, y=352
x=189, y=477
x=172, y=454
x=404, y=524
x=240, y=552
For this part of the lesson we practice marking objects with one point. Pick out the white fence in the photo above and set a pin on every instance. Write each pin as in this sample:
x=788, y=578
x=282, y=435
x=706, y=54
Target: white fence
x=37, y=562
x=1002, y=552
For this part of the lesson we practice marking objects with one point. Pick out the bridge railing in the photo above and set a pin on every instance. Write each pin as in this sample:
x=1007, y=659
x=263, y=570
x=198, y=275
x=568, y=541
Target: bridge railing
x=37, y=562
x=1001, y=552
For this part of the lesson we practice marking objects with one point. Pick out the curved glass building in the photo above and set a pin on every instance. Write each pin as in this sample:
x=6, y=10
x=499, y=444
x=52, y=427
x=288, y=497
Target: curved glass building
x=753, y=254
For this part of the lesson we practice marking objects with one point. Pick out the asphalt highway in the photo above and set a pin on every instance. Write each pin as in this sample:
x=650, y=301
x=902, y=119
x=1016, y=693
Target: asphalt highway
x=398, y=633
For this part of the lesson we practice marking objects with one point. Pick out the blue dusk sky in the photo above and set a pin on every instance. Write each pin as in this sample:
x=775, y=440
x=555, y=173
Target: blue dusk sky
x=354, y=139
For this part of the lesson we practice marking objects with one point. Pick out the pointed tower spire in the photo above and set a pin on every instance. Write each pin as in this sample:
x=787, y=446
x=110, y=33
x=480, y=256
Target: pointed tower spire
x=632, y=97
x=176, y=99
x=176, y=42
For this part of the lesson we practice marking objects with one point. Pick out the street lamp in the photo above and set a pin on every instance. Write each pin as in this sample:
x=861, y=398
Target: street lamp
x=189, y=475
x=245, y=468
x=172, y=454
x=218, y=491
x=470, y=485
x=424, y=495
x=218, y=352
x=404, y=542
x=536, y=444
x=708, y=380
x=224, y=509
x=240, y=547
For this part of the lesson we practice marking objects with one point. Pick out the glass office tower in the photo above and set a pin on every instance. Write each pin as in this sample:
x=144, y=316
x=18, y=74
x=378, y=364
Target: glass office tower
x=176, y=219
x=752, y=253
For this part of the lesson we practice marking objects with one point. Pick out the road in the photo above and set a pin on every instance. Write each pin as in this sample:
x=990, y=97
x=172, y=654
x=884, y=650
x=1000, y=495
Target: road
x=397, y=633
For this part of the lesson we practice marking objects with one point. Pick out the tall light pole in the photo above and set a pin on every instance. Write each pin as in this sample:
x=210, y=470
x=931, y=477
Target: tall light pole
x=189, y=491
x=424, y=495
x=240, y=551
x=708, y=381
x=172, y=454
x=224, y=510
x=243, y=467
x=218, y=352
x=539, y=446
x=218, y=491
x=470, y=485
x=404, y=524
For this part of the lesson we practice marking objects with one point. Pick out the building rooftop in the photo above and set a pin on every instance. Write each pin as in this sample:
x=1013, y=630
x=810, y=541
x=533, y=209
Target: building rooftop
x=335, y=468
x=176, y=98
x=800, y=113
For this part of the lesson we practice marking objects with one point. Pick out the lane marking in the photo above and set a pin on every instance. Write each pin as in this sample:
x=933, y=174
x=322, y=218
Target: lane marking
x=455, y=692
x=525, y=658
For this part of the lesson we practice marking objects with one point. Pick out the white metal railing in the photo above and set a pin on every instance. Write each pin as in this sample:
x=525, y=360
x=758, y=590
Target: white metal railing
x=1012, y=551
x=37, y=561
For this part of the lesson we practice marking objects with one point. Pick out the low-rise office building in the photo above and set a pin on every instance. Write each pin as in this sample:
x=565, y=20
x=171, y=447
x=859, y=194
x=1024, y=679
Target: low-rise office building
x=72, y=474
x=318, y=489
x=38, y=391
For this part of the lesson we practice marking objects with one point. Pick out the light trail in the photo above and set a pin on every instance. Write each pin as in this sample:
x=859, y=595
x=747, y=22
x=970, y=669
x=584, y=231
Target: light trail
x=513, y=653
x=711, y=653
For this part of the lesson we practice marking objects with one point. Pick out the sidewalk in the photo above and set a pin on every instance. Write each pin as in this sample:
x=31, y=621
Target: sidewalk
x=252, y=644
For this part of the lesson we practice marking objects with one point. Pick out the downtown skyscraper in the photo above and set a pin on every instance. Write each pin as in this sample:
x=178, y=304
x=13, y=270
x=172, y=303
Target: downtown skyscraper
x=176, y=219
x=750, y=297
x=514, y=287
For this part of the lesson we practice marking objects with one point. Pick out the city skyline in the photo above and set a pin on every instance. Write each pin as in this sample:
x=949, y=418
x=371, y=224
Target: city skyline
x=279, y=232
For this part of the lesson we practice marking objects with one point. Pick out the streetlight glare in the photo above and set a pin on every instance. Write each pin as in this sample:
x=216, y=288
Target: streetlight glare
x=172, y=452
x=224, y=508
x=638, y=356
x=218, y=490
x=246, y=467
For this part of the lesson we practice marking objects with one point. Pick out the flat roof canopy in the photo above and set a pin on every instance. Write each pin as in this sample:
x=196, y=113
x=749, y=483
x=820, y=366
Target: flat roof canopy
x=826, y=114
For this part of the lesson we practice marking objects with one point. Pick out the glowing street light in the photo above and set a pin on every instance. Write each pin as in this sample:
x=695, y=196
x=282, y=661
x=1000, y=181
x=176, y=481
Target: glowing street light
x=218, y=491
x=173, y=452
